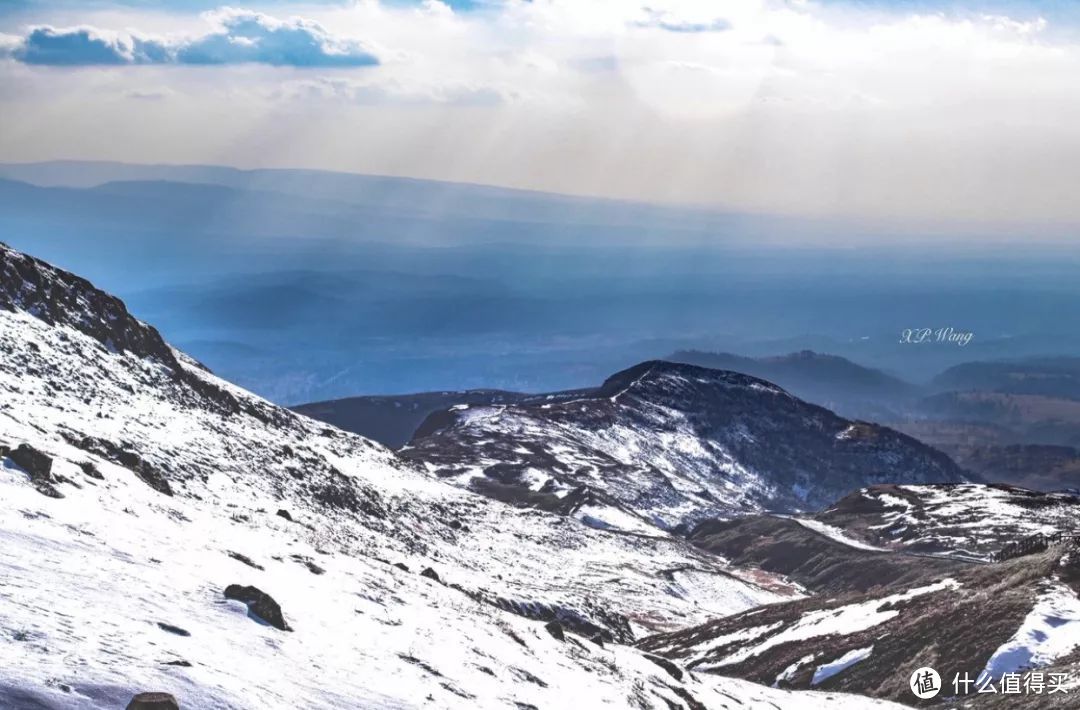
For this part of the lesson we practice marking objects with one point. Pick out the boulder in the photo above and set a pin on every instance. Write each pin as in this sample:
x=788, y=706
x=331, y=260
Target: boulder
x=259, y=604
x=153, y=701
x=430, y=574
x=38, y=466
x=284, y=514
x=556, y=630
x=673, y=670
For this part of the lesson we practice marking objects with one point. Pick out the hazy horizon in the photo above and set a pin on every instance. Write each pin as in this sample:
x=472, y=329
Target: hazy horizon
x=938, y=115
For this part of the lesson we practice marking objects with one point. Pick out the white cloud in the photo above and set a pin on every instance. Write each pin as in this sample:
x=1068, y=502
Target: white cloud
x=239, y=36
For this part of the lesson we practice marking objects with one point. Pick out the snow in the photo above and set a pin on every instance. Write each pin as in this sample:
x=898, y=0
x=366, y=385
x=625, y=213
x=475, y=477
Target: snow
x=786, y=675
x=828, y=670
x=91, y=583
x=836, y=534
x=840, y=621
x=966, y=521
x=1050, y=631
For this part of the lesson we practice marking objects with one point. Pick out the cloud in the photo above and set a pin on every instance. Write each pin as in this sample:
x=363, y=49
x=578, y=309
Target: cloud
x=393, y=92
x=668, y=22
x=238, y=37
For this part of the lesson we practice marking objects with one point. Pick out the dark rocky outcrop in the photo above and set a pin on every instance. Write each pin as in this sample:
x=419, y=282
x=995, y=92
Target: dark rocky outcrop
x=259, y=603
x=37, y=465
x=153, y=701
x=430, y=574
x=673, y=670
x=556, y=630
x=282, y=513
x=173, y=629
x=149, y=473
x=91, y=470
x=61, y=298
x=239, y=557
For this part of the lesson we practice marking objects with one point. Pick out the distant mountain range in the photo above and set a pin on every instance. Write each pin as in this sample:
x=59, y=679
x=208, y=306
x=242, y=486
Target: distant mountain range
x=303, y=285
x=994, y=429
x=831, y=381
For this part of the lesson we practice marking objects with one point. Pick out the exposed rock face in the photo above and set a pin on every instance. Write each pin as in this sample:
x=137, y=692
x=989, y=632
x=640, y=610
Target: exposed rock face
x=37, y=465
x=666, y=444
x=149, y=473
x=62, y=298
x=58, y=297
x=430, y=574
x=556, y=630
x=153, y=701
x=259, y=603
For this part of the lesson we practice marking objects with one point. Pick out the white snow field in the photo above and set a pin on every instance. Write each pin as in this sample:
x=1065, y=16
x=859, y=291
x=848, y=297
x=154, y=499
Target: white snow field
x=1050, y=631
x=171, y=481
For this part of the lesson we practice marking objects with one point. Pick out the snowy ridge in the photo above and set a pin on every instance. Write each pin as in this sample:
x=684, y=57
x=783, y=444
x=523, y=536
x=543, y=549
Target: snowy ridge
x=966, y=521
x=164, y=484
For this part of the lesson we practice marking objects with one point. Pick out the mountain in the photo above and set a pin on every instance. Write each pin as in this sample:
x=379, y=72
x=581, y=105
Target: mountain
x=889, y=536
x=665, y=444
x=164, y=530
x=908, y=576
x=1042, y=467
x=1057, y=377
x=982, y=622
x=831, y=381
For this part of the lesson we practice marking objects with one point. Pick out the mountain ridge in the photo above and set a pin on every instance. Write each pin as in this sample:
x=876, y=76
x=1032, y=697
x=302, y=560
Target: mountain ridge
x=675, y=443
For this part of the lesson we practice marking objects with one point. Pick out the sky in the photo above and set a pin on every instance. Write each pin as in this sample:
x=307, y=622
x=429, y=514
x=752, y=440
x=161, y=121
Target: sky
x=927, y=111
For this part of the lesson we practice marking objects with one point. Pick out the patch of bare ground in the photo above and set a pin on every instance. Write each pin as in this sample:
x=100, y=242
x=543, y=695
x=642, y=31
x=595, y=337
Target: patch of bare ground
x=819, y=563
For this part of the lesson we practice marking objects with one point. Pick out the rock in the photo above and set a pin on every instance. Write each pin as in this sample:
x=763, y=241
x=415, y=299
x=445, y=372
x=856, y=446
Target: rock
x=150, y=474
x=153, y=701
x=401, y=566
x=430, y=574
x=598, y=640
x=307, y=562
x=556, y=630
x=173, y=629
x=673, y=670
x=284, y=514
x=38, y=467
x=34, y=462
x=91, y=470
x=259, y=604
x=239, y=557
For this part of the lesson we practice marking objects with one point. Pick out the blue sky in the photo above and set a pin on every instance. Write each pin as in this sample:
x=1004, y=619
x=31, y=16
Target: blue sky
x=928, y=111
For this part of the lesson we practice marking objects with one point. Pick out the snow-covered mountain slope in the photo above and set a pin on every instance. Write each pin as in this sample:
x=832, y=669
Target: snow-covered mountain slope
x=137, y=488
x=1003, y=618
x=890, y=536
x=667, y=444
x=968, y=521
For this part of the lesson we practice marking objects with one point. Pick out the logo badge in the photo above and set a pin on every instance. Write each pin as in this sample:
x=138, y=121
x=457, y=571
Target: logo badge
x=925, y=683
